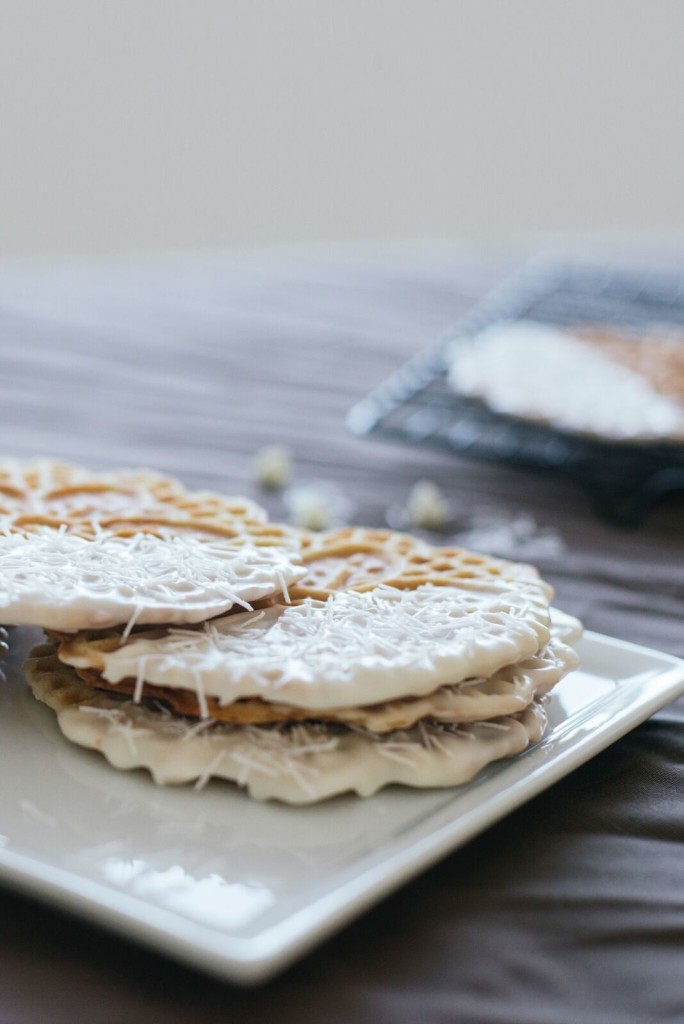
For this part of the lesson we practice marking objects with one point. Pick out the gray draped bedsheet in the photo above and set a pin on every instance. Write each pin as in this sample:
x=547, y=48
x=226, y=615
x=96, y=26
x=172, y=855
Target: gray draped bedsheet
x=572, y=908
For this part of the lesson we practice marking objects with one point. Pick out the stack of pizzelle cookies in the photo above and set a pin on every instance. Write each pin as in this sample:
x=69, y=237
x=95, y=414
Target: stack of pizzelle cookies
x=343, y=661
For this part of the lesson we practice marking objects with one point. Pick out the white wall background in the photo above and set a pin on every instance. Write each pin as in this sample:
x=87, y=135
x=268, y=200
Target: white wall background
x=147, y=124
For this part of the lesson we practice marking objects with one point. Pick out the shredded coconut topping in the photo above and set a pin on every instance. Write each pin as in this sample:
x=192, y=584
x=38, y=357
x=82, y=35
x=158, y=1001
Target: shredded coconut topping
x=61, y=581
x=297, y=763
x=354, y=648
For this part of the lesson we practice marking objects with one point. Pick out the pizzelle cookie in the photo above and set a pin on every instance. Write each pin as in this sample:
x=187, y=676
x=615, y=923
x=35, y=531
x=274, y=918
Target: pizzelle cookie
x=614, y=384
x=507, y=692
x=87, y=551
x=124, y=503
x=393, y=661
x=355, y=648
x=297, y=764
x=356, y=558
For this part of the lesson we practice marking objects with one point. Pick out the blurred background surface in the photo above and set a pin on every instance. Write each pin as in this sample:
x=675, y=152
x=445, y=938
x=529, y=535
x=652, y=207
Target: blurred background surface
x=141, y=125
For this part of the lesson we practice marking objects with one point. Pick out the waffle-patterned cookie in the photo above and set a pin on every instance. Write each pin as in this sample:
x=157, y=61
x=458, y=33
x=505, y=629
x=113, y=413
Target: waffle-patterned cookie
x=80, y=550
x=295, y=763
x=355, y=558
x=123, y=503
x=507, y=692
x=355, y=648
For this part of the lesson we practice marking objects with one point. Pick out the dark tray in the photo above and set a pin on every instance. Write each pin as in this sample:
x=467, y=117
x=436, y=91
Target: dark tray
x=623, y=480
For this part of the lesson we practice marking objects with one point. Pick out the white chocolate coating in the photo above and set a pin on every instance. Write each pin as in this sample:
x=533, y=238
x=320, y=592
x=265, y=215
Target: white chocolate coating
x=507, y=692
x=60, y=581
x=355, y=648
x=541, y=373
x=298, y=765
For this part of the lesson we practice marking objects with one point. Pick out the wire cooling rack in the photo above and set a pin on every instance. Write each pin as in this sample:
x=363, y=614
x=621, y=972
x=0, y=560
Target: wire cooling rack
x=623, y=480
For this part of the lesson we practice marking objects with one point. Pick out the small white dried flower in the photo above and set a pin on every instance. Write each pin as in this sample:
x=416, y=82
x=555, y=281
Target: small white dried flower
x=426, y=506
x=317, y=506
x=273, y=466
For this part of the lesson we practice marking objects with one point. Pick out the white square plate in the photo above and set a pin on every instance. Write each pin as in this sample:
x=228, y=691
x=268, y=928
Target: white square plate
x=238, y=888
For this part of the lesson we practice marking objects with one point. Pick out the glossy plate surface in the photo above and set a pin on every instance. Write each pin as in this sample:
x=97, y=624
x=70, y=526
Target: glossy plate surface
x=241, y=889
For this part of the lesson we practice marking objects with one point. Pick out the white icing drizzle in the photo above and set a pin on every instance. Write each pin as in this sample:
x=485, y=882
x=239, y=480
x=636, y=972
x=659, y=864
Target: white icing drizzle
x=355, y=648
x=59, y=581
x=119, y=724
x=538, y=372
